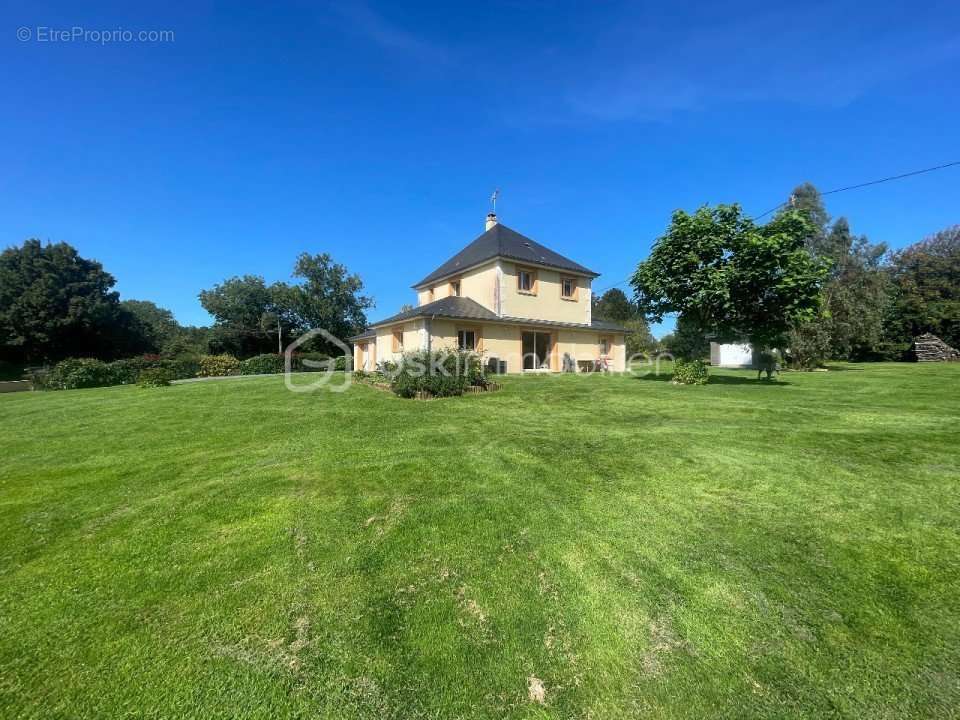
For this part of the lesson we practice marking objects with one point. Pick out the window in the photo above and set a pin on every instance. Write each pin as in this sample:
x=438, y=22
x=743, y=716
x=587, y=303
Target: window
x=398, y=340
x=467, y=339
x=430, y=296
x=604, y=346
x=568, y=288
x=455, y=288
x=526, y=281
x=537, y=348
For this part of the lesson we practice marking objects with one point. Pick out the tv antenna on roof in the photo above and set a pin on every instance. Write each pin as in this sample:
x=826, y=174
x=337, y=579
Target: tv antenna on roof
x=493, y=199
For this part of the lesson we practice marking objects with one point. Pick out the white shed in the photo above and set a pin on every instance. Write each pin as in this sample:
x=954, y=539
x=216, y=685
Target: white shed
x=731, y=355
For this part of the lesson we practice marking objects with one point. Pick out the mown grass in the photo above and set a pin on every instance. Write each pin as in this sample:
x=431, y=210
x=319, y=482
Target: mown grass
x=232, y=549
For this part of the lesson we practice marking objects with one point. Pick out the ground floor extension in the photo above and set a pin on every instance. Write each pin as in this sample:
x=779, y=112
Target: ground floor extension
x=516, y=346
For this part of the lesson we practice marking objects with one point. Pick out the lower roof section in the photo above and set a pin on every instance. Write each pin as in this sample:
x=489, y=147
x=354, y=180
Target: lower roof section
x=461, y=308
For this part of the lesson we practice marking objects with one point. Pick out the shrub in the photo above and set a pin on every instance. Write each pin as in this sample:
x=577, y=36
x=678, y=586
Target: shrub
x=766, y=361
x=88, y=372
x=186, y=366
x=218, y=366
x=74, y=373
x=309, y=362
x=690, y=372
x=275, y=363
x=126, y=372
x=262, y=365
x=340, y=363
x=442, y=373
x=155, y=377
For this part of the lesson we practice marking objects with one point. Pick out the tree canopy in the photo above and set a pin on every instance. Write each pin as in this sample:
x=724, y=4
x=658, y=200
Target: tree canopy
x=926, y=289
x=614, y=306
x=251, y=317
x=727, y=278
x=849, y=324
x=54, y=303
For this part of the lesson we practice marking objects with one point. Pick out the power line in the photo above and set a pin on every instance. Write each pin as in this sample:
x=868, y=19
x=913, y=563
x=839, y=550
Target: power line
x=834, y=191
x=867, y=184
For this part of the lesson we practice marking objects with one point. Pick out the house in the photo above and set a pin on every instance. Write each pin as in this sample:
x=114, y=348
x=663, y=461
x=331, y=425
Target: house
x=520, y=304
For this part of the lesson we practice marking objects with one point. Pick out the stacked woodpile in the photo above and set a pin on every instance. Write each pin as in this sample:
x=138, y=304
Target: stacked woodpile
x=930, y=348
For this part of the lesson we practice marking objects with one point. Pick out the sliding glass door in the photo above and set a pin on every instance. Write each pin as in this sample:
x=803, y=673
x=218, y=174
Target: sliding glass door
x=536, y=347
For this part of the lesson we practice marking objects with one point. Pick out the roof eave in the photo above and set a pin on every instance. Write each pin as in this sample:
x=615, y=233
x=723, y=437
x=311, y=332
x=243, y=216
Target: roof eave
x=523, y=261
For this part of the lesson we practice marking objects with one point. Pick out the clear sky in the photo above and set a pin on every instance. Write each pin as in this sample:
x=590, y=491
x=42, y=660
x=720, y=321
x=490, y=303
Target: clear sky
x=377, y=131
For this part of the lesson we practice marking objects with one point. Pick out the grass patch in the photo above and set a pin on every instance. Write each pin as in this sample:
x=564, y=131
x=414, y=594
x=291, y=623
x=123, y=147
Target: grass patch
x=572, y=546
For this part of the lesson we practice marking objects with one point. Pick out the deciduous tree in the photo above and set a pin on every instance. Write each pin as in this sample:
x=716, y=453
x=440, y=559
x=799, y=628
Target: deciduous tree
x=926, y=289
x=55, y=303
x=727, y=278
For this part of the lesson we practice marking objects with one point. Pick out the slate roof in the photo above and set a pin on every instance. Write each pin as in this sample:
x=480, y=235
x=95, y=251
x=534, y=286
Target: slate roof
x=368, y=334
x=501, y=241
x=452, y=307
x=462, y=308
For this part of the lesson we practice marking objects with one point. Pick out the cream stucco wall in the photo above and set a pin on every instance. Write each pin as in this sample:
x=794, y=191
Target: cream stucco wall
x=547, y=303
x=494, y=286
x=504, y=342
x=479, y=284
x=413, y=339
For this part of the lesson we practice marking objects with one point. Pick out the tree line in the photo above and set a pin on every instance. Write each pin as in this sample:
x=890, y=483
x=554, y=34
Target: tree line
x=802, y=283
x=56, y=304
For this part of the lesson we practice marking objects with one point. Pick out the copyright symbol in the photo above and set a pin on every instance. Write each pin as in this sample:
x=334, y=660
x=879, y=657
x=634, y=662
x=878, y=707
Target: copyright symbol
x=23, y=34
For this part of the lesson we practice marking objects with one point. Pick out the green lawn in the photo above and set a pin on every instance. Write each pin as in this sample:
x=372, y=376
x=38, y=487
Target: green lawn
x=232, y=549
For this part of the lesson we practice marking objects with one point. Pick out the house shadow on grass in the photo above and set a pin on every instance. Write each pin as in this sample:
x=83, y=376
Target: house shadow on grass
x=720, y=380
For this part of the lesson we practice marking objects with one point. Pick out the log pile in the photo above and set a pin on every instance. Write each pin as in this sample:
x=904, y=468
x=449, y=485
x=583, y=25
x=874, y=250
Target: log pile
x=930, y=348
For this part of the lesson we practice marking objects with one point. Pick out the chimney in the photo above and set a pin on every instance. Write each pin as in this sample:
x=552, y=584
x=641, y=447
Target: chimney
x=491, y=220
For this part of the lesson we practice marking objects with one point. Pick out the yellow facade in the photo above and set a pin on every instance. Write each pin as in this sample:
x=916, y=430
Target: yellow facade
x=546, y=295
x=495, y=340
x=545, y=302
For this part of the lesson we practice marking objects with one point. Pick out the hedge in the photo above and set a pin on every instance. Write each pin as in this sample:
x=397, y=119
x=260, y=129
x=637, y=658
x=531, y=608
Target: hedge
x=74, y=373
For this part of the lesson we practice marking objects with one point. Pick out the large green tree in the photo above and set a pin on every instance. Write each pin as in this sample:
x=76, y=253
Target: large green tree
x=159, y=326
x=614, y=306
x=329, y=296
x=856, y=294
x=926, y=289
x=252, y=317
x=55, y=303
x=849, y=324
x=727, y=278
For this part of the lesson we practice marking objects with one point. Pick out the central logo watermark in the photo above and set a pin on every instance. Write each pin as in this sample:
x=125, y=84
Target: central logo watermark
x=322, y=371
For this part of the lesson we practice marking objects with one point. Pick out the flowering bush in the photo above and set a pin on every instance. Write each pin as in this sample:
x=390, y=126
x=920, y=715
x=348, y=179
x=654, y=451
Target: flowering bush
x=218, y=366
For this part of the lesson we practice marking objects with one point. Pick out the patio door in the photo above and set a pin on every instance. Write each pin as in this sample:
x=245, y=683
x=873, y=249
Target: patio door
x=536, y=348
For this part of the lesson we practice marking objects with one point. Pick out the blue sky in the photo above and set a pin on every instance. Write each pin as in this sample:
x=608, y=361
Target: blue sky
x=377, y=131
